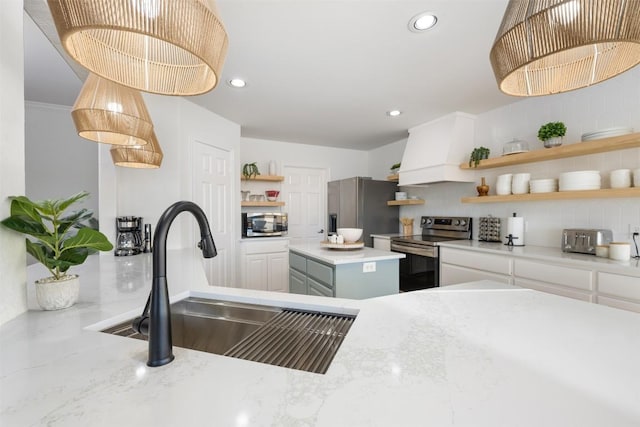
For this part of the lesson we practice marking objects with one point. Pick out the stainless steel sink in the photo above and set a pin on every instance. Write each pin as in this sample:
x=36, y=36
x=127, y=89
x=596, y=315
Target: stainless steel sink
x=304, y=340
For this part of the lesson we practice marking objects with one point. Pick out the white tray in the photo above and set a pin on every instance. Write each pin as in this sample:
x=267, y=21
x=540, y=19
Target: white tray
x=343, y=246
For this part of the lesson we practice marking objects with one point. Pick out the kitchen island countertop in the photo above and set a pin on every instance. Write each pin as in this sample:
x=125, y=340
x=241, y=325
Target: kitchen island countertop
x=337, y=257
x=481, y=356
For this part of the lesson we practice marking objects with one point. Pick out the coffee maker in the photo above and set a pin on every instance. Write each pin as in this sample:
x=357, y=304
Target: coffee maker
x=129, y=236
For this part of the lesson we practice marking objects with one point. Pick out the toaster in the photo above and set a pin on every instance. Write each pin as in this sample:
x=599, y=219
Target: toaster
x=489, y=229
x=584, y=240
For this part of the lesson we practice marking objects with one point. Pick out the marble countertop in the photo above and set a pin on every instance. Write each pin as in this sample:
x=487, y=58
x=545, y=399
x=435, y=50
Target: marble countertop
x=480, y=356
x=337, y=257
x=543, y=253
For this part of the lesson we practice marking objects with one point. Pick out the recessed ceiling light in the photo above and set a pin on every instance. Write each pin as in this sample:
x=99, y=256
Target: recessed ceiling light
x=239, y=83
x=422, y=22
x=394, y=113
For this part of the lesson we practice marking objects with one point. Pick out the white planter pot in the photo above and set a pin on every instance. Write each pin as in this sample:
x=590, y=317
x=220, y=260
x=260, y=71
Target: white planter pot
x=57, y=294
x=553, y=142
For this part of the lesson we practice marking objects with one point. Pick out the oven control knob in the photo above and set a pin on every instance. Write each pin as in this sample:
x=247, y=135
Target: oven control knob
x=429, y=221
x=463, y=222
x=456, y=222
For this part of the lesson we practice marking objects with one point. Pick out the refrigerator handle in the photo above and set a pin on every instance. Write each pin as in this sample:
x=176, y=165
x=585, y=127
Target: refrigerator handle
x=333, y=223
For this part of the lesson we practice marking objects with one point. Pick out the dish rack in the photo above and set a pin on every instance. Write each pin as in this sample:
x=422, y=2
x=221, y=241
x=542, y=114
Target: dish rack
x=489, y=229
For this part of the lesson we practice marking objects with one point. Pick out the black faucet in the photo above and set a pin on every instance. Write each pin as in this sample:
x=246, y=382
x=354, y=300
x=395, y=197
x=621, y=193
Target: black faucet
x=156, y=317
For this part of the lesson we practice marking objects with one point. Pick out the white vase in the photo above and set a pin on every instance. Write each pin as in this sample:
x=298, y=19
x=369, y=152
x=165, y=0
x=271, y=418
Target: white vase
x=553, y=142
x=273, y=169
x=57, y=294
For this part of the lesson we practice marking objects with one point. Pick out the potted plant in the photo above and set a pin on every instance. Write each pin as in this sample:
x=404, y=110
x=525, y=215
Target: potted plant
x=56, y=244
x=250, y=170
x=551, y=134
x=395, y=168
x=479, y=153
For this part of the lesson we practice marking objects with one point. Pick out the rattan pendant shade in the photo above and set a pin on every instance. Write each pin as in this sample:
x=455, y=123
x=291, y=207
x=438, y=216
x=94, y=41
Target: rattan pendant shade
x=111, y=113
x=551, y=46
x=138, y=156
x=169, y=47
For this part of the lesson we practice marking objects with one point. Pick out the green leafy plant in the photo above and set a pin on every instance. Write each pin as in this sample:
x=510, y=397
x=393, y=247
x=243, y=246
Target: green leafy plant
x=551, y=130
x=395, y=166
x=55, y=243
x=478, y=153
x=250, y=170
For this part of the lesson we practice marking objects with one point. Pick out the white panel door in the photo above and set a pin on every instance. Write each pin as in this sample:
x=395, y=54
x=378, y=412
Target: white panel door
x=212, y=182
x=305, y=193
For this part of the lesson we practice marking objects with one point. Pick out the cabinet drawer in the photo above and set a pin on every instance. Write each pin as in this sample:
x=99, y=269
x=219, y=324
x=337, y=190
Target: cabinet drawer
x=618, y=303
x=297, y=262
x=317, y=288
x=493, y=263
x=320, y=272
x=265, y=246
x=618, y=285
x=453, y=275
x=554, y=289
x=566, y=276
x=297, y=282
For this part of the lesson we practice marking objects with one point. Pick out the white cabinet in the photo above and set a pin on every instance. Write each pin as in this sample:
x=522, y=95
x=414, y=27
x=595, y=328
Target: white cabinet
x=460, y=266
x=265, y=264
x=620, y=291
x=555, y=279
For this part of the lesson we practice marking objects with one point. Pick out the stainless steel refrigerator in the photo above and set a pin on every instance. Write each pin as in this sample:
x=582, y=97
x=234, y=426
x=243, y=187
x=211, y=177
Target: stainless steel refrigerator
x=361, y=202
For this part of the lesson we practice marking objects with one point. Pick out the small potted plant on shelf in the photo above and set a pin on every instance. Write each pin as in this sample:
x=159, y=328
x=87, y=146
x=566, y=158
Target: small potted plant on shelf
x=551, y=134
x=250, y=170
x=479, y=153
x=395, y=168
x=56, y=244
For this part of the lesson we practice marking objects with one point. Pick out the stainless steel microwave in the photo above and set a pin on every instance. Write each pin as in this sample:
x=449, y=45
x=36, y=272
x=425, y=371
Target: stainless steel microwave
x=264, y=224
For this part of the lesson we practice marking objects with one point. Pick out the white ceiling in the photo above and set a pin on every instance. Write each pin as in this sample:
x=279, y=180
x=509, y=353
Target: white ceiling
x=325, y=72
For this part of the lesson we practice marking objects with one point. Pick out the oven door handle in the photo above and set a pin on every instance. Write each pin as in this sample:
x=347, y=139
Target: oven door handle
x=430, y=252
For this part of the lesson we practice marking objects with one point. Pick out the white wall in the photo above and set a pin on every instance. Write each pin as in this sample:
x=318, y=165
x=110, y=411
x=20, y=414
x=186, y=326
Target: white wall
x=381, y=159
x=612, y=103
x=58, y=162
x=148, y=192
x=340, y=162
x=13, y=295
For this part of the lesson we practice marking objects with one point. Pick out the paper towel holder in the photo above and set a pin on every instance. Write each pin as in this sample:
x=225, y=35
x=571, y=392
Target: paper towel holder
x=511, y=237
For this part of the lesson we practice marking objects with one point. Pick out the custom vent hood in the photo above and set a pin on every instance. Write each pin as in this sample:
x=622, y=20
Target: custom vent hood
x=435, y=150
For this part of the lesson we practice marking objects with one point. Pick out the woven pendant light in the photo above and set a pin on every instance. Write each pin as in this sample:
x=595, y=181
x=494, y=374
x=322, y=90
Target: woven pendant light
x=169, y=47
x=110, y=113
x=551, y=46
x=138, y=156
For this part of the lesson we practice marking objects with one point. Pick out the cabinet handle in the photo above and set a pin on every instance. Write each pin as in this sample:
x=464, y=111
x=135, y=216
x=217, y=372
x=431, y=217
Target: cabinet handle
x=321, y=231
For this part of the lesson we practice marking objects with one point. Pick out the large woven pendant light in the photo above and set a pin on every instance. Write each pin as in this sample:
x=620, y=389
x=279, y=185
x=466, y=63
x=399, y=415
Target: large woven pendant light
x=551, y=46
x=138, y=156
x=169, y=47
x=111, y=113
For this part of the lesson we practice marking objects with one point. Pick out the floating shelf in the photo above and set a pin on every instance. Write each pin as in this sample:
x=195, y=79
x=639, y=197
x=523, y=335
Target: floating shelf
x=395, y=177
x=249, y=204
x=603, y=145
x=405, y=202
x=559, y=195
x=273, y=178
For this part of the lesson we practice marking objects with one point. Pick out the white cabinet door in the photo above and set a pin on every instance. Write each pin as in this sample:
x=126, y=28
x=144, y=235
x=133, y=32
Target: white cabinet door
x=620, y=291
x=256, y=272
x=278, y=266
x=382, y=244
x=551, y=288
x=454, y=274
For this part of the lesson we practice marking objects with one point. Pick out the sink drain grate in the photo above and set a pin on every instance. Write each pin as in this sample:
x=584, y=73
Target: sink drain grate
x=293, y=339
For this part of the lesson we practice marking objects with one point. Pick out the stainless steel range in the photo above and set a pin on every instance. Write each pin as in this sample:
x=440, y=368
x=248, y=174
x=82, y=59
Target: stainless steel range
x=420, y=269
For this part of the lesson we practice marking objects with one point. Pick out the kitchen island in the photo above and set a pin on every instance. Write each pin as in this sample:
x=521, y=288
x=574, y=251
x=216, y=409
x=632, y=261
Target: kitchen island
x=475, y=355
x=356, y=274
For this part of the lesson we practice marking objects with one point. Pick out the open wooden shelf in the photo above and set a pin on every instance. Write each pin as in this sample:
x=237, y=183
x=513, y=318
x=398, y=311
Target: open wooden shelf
x=603, y=145
x=395, y=177
x=273, y=178
x=405, y=202
x=559, y=195
x=249, y=204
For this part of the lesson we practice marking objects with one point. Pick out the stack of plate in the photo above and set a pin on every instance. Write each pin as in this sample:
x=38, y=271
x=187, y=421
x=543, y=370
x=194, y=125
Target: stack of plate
x=543, y=185
x=606, y=133
x=580, y=180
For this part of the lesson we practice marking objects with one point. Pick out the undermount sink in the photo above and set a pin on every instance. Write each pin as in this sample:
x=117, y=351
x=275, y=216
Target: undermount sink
x=304, y=340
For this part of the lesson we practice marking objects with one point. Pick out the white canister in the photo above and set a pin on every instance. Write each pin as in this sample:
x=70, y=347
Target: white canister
x=620, y=251
x=273, y=168
x=503, y=184
x=620, y=178
x=602, y=251
x=401, y=195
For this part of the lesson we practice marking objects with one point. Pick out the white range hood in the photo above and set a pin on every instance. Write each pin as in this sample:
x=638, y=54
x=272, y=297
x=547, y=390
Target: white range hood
x=435, y=150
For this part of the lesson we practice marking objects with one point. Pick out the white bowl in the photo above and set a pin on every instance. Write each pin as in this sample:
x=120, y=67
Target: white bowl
x=351, y=235
x=401, y=195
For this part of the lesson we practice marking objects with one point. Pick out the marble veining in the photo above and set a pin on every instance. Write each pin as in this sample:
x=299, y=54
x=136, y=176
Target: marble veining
x=473, y=355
